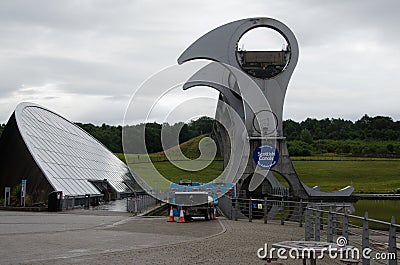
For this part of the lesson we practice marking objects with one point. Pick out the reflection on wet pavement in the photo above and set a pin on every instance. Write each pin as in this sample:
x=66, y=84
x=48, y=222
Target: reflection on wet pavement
x=113, y=206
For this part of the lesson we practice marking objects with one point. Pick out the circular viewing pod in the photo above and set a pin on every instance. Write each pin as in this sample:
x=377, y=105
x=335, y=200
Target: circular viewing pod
x=262, y=52
x=221, y=45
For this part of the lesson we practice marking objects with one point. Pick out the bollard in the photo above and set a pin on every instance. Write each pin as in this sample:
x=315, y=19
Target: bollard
x=392, y=242
x=365, y=238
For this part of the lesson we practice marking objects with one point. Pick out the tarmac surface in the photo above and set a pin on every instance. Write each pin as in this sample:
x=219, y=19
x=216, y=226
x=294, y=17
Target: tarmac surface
x=103, y=237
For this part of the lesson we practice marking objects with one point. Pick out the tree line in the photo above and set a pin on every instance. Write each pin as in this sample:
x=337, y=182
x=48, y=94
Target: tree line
x=373, y=136
x=367, y=128
x=111, y=136
x=368, y=136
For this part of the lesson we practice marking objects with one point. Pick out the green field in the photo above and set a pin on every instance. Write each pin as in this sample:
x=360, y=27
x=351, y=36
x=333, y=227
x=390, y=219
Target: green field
x=366, y=175
x=174, y=174
x=140, y=163
x=330, y=172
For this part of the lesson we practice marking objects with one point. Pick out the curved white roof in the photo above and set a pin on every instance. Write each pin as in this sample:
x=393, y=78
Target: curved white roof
x=69, y=157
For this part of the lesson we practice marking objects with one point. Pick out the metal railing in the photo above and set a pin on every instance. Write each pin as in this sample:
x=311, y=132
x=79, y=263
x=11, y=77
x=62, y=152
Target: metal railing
x=68, y=202
x=328, y=224
x=283, y=210
x=141, y=203
x=278, y=191
x=323, y=222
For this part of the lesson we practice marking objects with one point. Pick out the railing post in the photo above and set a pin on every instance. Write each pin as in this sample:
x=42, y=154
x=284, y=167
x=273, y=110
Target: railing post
x=250, y=211
x=236, y=209
x=392, y=242
x=317, y=225
x=232, y=208
x=265, y=211
x=345, y=228
x=365, y=239
x=334, y=222
x=136, y=205
x=321, y=206
x=142, y=201
x=312, y=231
x=307, y=234
x=301, y=213
x=329, y=233
x=283, y=212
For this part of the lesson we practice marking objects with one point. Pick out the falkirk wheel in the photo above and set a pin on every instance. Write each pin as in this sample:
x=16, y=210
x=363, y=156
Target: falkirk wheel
x=253, y=84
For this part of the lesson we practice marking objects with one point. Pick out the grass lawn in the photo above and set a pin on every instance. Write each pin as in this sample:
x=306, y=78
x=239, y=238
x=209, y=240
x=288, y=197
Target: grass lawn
x=365, y=175
x=330, y=172
x=140, y=165
x=174, y=174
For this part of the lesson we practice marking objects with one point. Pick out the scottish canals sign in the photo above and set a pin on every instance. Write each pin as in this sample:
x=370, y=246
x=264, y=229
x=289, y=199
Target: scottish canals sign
x=266, y=156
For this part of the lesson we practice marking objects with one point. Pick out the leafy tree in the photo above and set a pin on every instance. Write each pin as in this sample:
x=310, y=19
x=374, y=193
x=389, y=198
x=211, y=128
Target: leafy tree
x=306, y=136
x=390, y=148
x=291, y=129
x=299, y=148
x=366, y=136
x=111, y=136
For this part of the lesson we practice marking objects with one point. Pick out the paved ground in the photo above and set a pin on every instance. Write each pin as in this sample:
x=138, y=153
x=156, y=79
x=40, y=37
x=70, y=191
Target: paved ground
x=84, y=237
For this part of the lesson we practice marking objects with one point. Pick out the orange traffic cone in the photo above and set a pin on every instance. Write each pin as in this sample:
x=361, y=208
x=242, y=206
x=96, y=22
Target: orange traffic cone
x=215, y=213
x=181, y=216
x=171, y=214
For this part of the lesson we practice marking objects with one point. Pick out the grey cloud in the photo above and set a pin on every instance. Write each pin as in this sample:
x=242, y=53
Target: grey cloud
x=106, y=49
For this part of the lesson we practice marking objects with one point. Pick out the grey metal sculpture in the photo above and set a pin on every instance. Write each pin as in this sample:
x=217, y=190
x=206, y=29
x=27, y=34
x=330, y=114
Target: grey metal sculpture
x=271, y=72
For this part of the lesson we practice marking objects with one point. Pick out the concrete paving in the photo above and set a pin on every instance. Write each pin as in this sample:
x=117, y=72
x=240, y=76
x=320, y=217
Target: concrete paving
x=79, y=237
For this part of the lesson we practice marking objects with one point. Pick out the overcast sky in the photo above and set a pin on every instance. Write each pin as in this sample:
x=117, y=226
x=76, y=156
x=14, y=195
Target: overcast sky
x=84, y=59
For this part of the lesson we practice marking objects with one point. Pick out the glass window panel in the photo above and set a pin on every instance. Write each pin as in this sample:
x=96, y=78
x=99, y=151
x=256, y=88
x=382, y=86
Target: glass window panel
x=74, y=186
x=69, y=155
